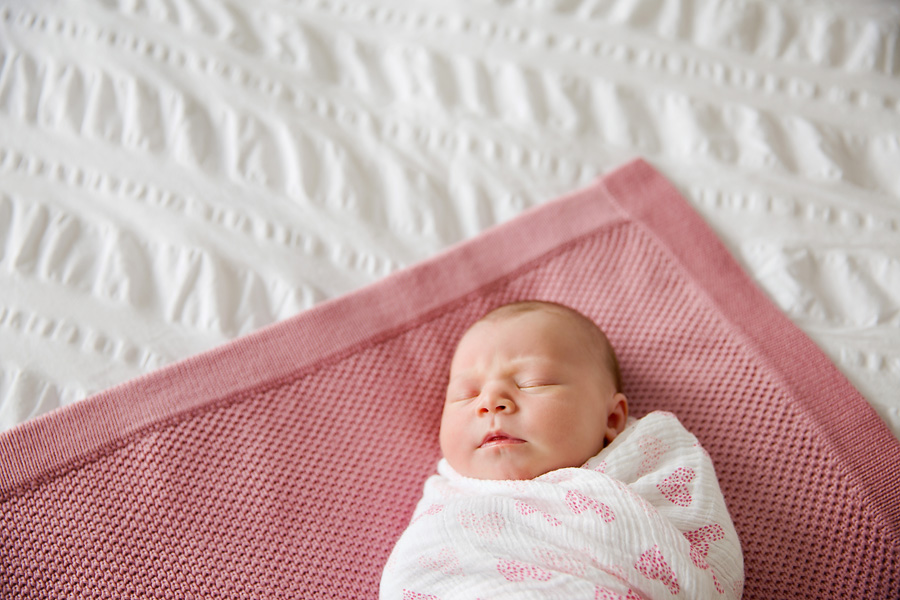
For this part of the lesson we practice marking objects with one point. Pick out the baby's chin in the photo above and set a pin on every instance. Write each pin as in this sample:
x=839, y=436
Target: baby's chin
x=496, y=472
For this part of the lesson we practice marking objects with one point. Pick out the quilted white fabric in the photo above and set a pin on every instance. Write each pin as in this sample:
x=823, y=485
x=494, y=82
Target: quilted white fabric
x=175, y=173
x=645, y=518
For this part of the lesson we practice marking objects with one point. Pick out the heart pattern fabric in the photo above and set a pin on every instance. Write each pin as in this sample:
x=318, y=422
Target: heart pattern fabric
x=578, y=532
x=580, y=503
x=653, y=565
x=486, y=526
x=674, y=488
x=517, y=571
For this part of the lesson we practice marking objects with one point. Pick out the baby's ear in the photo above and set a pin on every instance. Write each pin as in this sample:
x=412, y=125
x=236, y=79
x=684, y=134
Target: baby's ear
x=618, y=416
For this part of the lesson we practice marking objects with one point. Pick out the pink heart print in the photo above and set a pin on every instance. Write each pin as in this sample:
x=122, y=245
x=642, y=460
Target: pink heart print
x=700, y=540
x=605, y=594
x=653, y=566
x=674, y=487
x=410, y=595
x=526, y=509
x=515, y=571
x=444, y=561
x=560, y=561
x=653, y=449
x=486, y=526
x=431, y=510
x=579, y=503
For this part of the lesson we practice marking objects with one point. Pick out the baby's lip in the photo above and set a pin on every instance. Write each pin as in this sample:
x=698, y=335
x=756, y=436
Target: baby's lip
x=497, y=438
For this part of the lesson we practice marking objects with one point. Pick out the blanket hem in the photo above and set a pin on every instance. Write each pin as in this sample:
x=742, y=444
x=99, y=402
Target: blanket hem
x=75, y=435
x=852, y=431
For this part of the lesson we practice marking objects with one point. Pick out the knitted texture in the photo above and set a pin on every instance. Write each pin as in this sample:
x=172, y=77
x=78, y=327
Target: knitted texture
x=286, y=464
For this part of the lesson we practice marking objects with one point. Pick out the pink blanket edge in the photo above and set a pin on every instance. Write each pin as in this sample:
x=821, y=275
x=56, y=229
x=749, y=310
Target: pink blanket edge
x=62, y=439
x=863, y=442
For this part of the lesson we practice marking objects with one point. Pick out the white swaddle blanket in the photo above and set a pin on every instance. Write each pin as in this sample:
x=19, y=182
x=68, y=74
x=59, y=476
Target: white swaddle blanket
x=643, y=519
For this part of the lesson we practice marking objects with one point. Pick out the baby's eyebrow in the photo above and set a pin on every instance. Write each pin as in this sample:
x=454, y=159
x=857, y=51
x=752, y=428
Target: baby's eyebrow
x=466, y=377
x=455, y=378
x=530, y=360
x=514, y=363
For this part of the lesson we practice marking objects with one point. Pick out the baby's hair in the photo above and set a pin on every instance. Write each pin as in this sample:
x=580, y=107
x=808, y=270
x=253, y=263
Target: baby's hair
x=597, y=337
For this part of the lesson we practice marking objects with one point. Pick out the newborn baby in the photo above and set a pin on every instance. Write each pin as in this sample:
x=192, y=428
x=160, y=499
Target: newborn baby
x=548, y=490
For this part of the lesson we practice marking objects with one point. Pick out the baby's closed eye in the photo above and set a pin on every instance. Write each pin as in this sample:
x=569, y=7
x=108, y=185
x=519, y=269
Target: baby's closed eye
x=537, y=386
x=462, y=393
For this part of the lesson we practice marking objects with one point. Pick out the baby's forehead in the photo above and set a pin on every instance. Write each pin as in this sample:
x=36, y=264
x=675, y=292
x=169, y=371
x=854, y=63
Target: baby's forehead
x=562, y=326
x=506, y=314
x=571, y=322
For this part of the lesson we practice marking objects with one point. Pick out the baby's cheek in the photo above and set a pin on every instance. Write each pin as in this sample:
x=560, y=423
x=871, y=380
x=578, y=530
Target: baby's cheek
x=452, y=437
x=446, y=435
x=580, y=442
x=560, y=426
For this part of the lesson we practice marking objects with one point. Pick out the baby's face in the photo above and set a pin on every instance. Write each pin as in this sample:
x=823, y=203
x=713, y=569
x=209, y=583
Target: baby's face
x=526, y=396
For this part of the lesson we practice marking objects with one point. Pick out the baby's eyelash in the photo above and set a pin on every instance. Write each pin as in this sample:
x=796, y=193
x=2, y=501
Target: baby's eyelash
x=527, y=385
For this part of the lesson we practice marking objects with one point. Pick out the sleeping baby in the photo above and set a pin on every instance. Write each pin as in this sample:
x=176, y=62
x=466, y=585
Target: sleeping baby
x=547, y=489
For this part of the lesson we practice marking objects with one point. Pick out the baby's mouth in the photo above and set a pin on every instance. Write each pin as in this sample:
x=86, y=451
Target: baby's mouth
x=498, y=438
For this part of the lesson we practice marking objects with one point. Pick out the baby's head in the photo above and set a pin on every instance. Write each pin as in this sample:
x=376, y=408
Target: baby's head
x=534, y=386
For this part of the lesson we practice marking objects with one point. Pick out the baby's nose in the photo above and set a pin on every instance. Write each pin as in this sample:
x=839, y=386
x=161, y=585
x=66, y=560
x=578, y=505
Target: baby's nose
x=496, y=400
x=493, y=407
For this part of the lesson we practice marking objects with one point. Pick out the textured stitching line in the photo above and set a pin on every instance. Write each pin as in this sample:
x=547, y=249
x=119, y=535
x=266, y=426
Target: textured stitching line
x=28, y=322
x=786, y=206
x=147, y=194
x=793, y=17
x=669, y=60
x=447, y=140
x=54, y=232
x=139, y=45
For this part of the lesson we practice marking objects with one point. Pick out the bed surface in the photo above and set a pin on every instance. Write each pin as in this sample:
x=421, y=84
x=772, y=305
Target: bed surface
x=177, y=174
x=286, y=463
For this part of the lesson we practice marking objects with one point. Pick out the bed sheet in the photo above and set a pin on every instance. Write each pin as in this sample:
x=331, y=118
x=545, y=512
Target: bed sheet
x=177, y=173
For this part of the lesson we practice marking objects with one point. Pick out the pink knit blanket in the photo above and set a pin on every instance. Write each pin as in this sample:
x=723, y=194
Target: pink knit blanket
x=287, y=463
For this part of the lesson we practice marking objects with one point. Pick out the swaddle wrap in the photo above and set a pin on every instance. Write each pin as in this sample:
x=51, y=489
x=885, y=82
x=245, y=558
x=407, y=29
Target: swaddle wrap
x=644, y=518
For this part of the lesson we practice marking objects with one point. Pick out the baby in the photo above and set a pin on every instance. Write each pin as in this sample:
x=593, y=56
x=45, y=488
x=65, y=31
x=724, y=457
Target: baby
x=548, y=490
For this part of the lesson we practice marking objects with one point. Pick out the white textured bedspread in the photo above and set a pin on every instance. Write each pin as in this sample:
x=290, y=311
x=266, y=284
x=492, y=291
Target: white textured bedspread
x=175, y=173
